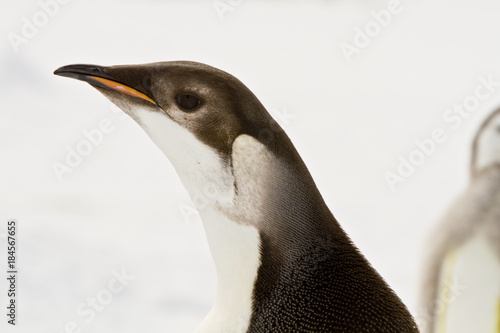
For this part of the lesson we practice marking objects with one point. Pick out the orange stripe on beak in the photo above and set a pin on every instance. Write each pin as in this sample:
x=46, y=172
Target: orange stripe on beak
x=121, y=88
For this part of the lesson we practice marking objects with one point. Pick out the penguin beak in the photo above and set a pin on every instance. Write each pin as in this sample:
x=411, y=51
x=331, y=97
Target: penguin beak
x=98, y=77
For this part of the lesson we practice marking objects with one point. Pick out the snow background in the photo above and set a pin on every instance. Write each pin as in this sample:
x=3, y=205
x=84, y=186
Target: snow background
x=121, y=208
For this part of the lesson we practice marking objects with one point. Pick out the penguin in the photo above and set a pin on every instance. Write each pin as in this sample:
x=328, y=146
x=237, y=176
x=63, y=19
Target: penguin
x=461, y=276
x=283, y=262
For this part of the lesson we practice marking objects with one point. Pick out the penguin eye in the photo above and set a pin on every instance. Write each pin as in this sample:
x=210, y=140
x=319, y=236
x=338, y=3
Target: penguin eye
x=187, y=101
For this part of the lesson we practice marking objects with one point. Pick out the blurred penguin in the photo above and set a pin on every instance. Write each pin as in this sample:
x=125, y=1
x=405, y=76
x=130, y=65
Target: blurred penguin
x=461, y=285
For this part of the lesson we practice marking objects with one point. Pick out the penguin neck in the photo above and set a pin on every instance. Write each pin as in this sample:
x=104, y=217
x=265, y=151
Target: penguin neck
x=263, y=209
x=235, y=249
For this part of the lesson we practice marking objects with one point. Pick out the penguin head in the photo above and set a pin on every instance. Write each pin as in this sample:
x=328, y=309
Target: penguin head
x=195, y=114
x=486, y=146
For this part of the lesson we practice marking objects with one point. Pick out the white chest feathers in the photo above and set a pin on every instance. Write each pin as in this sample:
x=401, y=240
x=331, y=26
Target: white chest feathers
x=235, y=246
x=469, y=290
x=236, y=253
